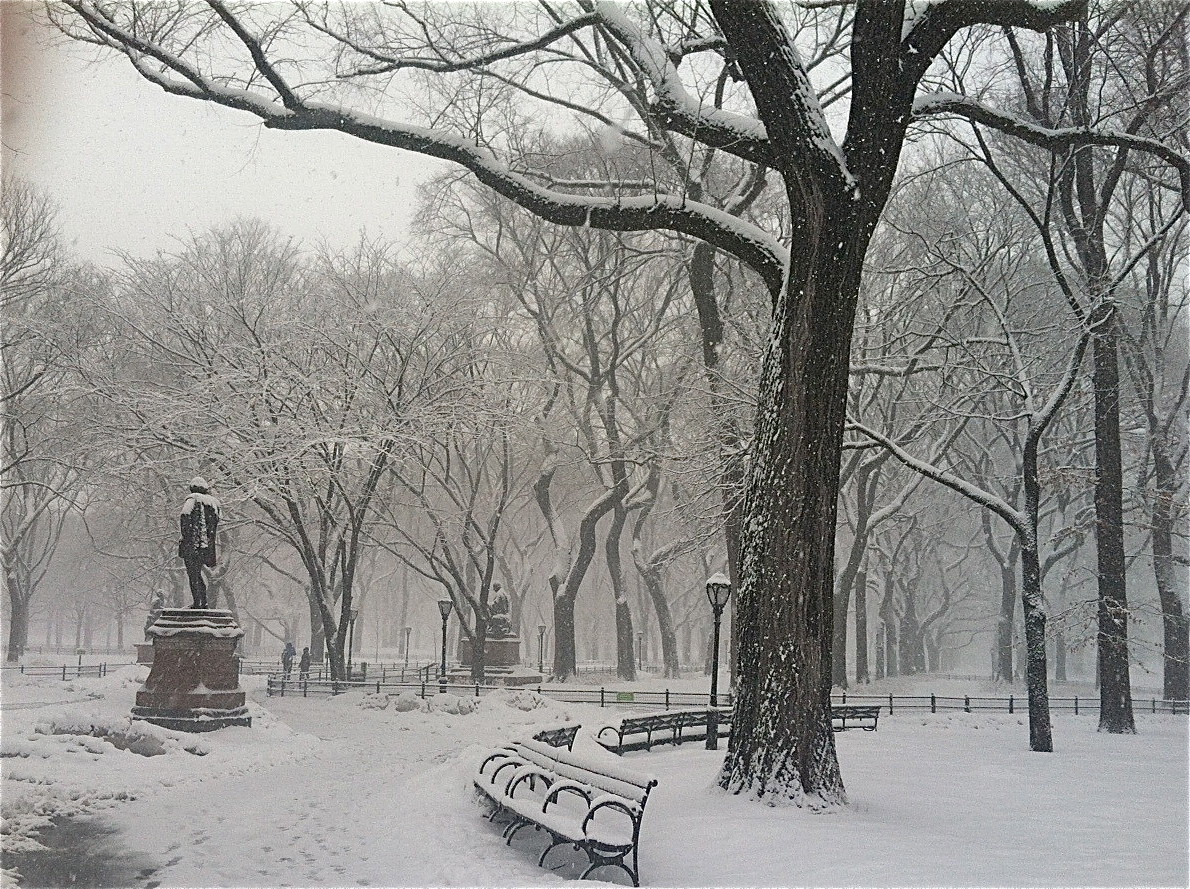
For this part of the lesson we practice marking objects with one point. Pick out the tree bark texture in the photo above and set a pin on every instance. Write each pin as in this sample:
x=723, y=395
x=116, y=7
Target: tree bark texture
x=1175, y=625
x=861, y=627
x=1115, y=687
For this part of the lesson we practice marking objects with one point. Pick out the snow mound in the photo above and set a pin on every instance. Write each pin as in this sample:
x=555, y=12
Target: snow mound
x=521, y=699
x=90, y=730
x=374, y=701
x=407, y=702
x=453, y=704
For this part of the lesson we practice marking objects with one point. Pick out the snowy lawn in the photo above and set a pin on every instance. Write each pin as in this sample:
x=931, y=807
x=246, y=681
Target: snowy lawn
x=340, y=793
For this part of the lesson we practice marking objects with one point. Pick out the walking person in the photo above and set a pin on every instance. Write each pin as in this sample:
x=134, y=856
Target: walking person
x=287, y=657
x=304, y=665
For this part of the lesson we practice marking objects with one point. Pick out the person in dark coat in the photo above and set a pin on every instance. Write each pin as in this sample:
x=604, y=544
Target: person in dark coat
x=304, y=664
x=199, y=522
x=287, y=657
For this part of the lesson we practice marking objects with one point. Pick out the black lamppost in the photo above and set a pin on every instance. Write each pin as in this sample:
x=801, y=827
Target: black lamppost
x=541, y=648
x=351, y=616
x=718, y=592
x=640, y=651
x=444, y=607
x=408, y=630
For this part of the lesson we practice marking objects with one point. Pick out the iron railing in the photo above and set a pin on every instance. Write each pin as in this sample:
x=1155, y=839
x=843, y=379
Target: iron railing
x=667, y=698
x=66, y=671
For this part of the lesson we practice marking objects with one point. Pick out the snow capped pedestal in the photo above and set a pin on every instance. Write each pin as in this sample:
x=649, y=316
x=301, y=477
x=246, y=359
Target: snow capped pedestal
x=194, y=685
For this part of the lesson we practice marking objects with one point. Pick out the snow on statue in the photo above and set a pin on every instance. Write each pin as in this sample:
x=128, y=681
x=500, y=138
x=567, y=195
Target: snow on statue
x=199, y=522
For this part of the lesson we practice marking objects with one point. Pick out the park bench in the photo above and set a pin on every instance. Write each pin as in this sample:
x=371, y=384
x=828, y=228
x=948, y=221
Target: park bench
x=669, y=727
x=559, y=736
x=866, y=715
x=579, y=801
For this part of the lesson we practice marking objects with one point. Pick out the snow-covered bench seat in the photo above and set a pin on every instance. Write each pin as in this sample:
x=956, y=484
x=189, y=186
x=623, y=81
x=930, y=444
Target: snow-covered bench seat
x=559, y=736
x=866, y=715
x=583, y=801
x=670, y=727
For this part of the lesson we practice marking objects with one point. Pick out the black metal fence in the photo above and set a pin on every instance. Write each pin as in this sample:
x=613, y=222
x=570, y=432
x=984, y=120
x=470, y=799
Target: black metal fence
x=71, y=671
x=666, y=698
x=604, y=697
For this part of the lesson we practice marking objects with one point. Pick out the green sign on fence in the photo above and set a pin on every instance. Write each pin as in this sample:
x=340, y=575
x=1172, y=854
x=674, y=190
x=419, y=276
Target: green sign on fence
x=625, y=696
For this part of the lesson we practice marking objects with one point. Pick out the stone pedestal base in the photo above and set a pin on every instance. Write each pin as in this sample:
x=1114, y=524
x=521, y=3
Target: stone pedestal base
x=144, y=653
x=194, y=685
x=497, y=652
x=496, y=676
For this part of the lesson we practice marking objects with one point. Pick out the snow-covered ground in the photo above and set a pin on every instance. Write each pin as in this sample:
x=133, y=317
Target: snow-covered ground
x=339, y=792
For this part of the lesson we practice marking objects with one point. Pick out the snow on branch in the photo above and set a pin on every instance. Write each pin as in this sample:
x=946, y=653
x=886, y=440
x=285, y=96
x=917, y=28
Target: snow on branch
x=749, y=243
x=673, y=105
x=1016, y=519
x=1052, y=139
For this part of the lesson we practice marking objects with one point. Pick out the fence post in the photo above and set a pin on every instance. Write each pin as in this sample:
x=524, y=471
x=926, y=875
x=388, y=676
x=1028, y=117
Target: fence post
x=933, y=703
x=477, y=689
x=844, y=701
x=966, y=703
x=423, y=688
x=1154, y=705
x=282, y=688
x=63, y=672
x=890, y=705
x=377, y=686
x=1010, y=703
x=667, y=699
x=601, y=696
x=1076, y=705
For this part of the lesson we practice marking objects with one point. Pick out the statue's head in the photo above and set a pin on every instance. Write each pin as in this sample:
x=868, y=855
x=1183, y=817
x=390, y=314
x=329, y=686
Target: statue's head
x=198, y=485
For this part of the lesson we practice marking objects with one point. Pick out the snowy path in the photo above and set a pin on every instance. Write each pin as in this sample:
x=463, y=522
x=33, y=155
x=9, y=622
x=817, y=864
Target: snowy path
x=361, y=809
x=333, y=793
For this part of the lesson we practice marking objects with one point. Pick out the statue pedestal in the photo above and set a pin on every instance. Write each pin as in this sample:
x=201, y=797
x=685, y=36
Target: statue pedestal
x=497, y=652
x=144, y=653
x=194, y=685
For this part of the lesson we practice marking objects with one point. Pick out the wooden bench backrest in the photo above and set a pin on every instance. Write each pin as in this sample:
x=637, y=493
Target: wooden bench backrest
x=609, y=778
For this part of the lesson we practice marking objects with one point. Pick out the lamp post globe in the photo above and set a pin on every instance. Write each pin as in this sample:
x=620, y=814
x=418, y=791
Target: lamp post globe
x=444, y=608
x=718, y=592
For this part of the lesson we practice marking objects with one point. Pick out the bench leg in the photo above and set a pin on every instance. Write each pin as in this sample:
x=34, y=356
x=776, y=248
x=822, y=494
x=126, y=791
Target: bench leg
x=597, y=863
x=554, y=844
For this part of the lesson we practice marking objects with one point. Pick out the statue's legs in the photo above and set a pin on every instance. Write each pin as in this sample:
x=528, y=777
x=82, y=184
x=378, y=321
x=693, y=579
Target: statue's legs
x=198, y=584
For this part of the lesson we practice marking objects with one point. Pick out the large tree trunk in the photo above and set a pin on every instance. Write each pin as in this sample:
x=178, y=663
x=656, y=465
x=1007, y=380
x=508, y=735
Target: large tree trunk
x=18, y=624
x=861, y=627
x=1033, y=604
x=625, y=632
x=782, y=745
x=1115, y=687
x=1176, y=649
x=701, y=270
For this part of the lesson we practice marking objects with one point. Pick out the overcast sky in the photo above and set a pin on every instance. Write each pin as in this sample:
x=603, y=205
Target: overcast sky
x=132, y=167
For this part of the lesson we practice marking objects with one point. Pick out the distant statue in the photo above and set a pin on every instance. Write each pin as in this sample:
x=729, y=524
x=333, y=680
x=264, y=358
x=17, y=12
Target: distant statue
x=156, y=604
x=199, y=523
x=499, y=622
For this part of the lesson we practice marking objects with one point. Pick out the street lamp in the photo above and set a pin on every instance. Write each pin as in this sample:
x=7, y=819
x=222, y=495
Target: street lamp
x=408, y=630
x=640, y=651
x=351, y=616
x=541, y=648
x=718, y=592
x=444, y=607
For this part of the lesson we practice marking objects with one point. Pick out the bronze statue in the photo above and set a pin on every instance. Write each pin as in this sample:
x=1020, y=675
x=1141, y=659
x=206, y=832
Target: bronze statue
x=199, y=523
x=499, y=622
